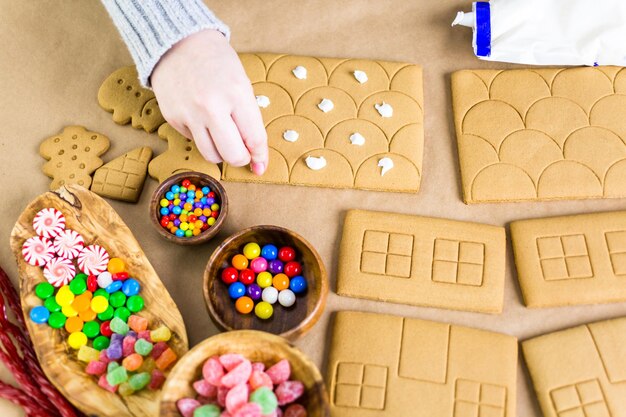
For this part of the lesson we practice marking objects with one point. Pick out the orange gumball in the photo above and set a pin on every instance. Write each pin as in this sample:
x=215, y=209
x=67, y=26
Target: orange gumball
x=239, y=262
x=280, y=282
x=244, y=305
x=87, y=315
x=73, y=324
x=116, y=265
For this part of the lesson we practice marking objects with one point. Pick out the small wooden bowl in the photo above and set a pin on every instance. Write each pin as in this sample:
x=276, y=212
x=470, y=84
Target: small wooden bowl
x=289, y=322
x=92, y=217
x=199, y=180
x=256, y=346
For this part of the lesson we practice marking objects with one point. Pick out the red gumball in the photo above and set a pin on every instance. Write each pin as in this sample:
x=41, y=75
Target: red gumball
x=105, y=328
x=173, y=217
x=192, y=218
x=92, y=283
x=292, y=269
x=214, y=214
x=186, y=183
x=246, y=276
x=164, y=221
x=211, y=195
x=286, y=254
x=230, y=275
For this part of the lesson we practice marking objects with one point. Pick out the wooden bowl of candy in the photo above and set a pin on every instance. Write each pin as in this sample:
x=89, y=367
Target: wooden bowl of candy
x=256, y=373
x=103, y=326
x=189, y=208
x=266, y=278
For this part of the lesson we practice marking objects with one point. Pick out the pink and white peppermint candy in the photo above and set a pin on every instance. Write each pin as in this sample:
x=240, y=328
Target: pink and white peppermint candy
x=93, y=260
x=37, y=251
x=68, y=244
x=59, y=271
x=49, y=222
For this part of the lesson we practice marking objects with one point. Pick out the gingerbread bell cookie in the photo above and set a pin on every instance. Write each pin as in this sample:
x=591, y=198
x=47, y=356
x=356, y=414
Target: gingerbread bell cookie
x=73, y=155
x=181, y=155
x=123, y=177
x=122, y=95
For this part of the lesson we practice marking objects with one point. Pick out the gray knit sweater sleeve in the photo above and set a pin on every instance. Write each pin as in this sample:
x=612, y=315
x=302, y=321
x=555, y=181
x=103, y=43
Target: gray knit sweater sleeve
x=151, y=27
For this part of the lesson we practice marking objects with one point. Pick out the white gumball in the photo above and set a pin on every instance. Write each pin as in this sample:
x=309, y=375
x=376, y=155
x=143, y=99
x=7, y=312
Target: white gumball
x=286, y=298
x=270, y=295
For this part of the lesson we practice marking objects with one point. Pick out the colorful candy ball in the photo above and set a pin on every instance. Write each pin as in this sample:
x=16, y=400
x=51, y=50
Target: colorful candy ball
x=187, y=211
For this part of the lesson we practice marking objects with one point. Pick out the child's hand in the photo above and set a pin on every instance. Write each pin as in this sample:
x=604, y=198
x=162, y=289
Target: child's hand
x=204, y=93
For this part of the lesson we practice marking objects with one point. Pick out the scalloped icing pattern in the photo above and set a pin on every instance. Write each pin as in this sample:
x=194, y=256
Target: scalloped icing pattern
x=294, y=107
x=541, y=134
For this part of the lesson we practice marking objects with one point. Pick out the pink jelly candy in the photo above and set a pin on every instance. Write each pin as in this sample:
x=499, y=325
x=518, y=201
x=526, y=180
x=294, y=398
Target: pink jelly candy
x=187, y=406
x=205, y=388
x=158, y=348
x=248, y=410
x=288, y=392
x=280, y=372
x=295, y=410
x=260, y=379
x=236, y=397
x=258, y=366
x=157, y=380
x=238, y=375
x=279, y=412
x=103, y=383
x=96, y=368
x=145, y=335
x=225, y=414
x=104, y=357
x=230, y=360
x=221, y=396
x=213, y=371
x=128, y=345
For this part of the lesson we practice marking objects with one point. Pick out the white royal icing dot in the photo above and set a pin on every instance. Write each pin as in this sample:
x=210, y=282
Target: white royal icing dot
x=357, y=139
x=299, y=72
x=290, y=135
x=315, y=163
x=360, y=76
x=385, y=109
x=386, y=164
x=326, y=105
x=263, y=101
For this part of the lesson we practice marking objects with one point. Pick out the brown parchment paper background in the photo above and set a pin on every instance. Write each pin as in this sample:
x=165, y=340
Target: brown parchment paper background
x=55, y=53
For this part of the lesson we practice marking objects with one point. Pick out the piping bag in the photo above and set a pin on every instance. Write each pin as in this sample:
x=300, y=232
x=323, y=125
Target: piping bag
x=548, y=32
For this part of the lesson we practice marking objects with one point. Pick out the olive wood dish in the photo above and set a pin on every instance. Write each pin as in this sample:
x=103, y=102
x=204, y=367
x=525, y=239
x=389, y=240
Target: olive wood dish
x=98, y=223
x=199, y=180
x=291, y=322
x=255, y=346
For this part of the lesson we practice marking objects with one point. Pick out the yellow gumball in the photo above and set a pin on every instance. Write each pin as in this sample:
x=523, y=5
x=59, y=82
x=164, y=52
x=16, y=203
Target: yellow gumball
x=64, y=296
x=99, y=304
x=264, y=310
x=69, y=311
x=76, y=340
x=264, y=279
x=252, y=250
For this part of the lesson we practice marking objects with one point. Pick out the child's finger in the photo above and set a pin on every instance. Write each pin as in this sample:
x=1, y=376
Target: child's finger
x=248, y=119
x=205, y=145
x=228, y=141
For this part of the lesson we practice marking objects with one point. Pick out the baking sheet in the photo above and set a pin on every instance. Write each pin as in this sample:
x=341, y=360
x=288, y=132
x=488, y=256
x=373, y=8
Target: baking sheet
x=55, y=54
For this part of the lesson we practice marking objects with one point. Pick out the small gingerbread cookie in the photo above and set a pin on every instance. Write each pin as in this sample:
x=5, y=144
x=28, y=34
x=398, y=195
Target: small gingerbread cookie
x=181, y=155
x=123, y=177
x=122, y=95
x=73, y=155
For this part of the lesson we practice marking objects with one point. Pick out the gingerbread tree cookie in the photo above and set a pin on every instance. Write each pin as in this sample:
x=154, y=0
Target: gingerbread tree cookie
x=122, y=95
x=181, y=155
x=123, y=177
x=73, y=155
